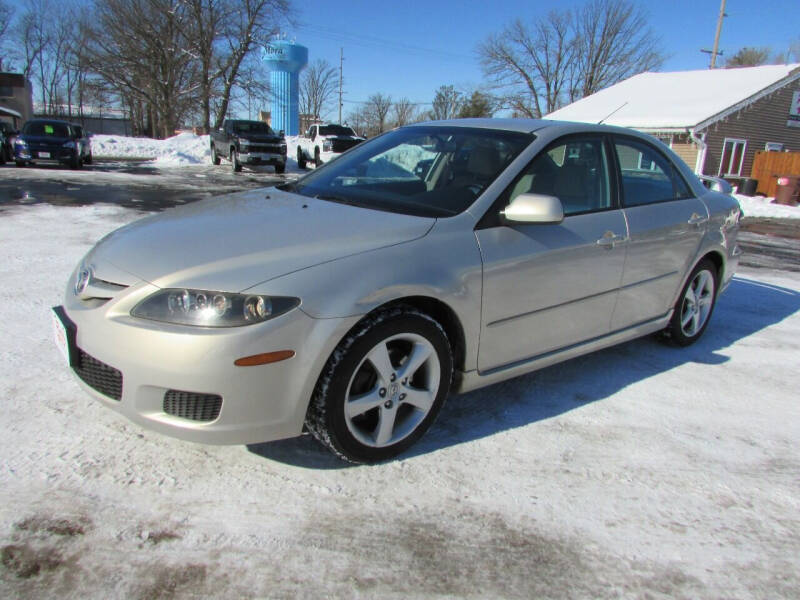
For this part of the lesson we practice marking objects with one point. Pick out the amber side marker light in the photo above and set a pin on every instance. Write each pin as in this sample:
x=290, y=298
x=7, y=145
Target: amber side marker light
x=263, y=359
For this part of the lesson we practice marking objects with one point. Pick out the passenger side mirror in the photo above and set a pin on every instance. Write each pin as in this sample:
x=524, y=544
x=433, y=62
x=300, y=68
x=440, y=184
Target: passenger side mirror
x=534, y=208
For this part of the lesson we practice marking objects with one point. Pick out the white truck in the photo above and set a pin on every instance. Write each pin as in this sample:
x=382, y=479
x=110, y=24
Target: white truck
x=324, y=143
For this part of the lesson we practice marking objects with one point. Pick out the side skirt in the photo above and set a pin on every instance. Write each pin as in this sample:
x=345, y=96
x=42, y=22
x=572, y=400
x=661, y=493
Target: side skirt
x=472, y=380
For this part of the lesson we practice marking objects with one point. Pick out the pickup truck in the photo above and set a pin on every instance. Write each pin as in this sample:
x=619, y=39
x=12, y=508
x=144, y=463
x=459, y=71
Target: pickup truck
x=248, y=143
x=325, y=142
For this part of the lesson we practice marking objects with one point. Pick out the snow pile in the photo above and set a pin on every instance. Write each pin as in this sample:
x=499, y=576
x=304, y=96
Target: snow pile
x=758, y=206
x=180, y=150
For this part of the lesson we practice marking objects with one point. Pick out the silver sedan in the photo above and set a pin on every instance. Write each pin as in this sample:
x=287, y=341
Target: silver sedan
x=436, y=258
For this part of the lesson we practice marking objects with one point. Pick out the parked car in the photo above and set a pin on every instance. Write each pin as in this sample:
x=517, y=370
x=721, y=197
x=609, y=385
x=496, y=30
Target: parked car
x=47, y=141
x=83, y=142
x=248, y=143
x=7, y=135
x=328, y=140
x=351, y=302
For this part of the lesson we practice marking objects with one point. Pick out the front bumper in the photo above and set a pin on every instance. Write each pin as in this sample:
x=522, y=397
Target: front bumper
x=159, y=362
x=261, y=158
x=49, y=155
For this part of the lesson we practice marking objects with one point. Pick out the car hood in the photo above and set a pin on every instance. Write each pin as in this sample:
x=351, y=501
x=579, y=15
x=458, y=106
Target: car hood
x=232, y=243
x=260, y=138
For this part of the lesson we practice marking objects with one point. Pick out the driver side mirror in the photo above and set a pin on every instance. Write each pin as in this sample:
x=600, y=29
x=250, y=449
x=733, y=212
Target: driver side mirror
x=534, y=208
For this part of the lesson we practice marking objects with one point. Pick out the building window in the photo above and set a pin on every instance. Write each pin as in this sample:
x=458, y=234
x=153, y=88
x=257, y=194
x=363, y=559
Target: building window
x=6, y=91
x=732, y=157
x=773, y=147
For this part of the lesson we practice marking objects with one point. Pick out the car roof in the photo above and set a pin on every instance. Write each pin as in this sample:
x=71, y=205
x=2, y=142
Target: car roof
x=526, y=125
x=57, y=121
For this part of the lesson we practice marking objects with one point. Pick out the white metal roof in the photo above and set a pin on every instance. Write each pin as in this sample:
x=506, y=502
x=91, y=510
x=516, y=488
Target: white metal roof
x=677, y=100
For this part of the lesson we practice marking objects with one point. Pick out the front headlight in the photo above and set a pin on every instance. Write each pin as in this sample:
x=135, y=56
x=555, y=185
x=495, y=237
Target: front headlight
x=69, y=144
x=21, y=143
x=211, y=309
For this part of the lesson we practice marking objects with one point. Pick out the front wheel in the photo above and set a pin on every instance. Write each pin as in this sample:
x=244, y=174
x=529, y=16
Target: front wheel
x=317, y=159
x=215, y=159
x=301, y=158
x=88, y=159
x=280, y=168
x=235, y=162
x=695, y=305
x=383, y=386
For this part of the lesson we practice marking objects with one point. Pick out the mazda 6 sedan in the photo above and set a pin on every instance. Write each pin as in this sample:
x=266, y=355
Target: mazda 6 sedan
x=434, y=259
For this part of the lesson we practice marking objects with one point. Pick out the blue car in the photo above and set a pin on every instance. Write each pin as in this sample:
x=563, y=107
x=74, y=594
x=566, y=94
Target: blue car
x=48, y=141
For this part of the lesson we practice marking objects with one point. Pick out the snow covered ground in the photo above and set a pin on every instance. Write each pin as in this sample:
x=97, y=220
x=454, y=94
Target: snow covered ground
x=640, y=471
x=758, y=206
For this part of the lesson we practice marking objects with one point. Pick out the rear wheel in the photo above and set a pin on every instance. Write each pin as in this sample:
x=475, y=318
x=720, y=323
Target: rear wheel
x=695, y=305
x=382, y=387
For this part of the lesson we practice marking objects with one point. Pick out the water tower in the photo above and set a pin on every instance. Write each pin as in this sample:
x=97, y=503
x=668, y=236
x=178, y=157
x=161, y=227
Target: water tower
x=285, y=60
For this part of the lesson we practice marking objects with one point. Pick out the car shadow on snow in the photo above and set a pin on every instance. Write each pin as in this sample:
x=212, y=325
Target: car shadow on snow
x=744, y=309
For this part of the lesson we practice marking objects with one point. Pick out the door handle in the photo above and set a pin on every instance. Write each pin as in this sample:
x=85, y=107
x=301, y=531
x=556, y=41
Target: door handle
x=696, y=219
x=609, y=239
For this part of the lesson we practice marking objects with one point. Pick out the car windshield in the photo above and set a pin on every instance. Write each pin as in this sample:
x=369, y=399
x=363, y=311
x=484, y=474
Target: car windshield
x=43, y=128
x=423, y=171
x=335, y=130
x=252, y=127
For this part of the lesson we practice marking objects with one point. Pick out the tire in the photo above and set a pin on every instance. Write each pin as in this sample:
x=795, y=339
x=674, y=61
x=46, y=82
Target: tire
x=367, y=406
x=317, y=159
x=215, y=159
x=75, y=163
x=301, y=158
x=695, y=305
x=19, y=163
x=280, y=168
x=88, y=160
x=235, y=162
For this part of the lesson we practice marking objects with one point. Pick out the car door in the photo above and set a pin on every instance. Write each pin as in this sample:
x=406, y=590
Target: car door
x=547, y=286
x=666, y=224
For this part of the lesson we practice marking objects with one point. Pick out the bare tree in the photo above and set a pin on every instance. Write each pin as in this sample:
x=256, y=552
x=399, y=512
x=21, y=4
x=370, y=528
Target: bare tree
x=137, y=48
x=446, y=103
x=6, y=13
x=377, y=109
x=357, y=119
x=223, y=36
x=749, y=57
x=569, y=55
x=318, y=85
x=404, y=112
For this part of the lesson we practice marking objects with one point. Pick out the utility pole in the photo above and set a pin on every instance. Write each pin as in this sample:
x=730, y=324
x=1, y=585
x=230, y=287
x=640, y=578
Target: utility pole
x=341, y=66
x=715, y=50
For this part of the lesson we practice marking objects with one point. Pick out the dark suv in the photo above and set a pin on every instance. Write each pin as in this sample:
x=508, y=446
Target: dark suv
x=48, y=141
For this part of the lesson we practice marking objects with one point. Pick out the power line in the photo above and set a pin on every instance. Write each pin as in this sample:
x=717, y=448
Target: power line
x=369, y=41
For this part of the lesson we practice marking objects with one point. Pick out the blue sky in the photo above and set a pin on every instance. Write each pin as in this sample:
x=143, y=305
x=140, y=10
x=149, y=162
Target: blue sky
x=411, y=48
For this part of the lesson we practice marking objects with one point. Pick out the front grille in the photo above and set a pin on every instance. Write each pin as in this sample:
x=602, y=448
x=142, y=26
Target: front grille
x=265, y=149
x=192, y=406
x=342, y=145
x=99, y=376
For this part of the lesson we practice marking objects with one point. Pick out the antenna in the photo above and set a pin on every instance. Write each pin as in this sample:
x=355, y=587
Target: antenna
x=600, y=122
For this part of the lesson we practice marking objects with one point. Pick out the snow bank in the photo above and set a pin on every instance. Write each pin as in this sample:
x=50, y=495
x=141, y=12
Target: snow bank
x=758, y=206
x=181, y=150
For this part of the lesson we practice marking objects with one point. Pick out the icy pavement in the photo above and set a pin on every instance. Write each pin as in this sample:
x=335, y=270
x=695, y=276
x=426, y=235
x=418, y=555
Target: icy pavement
x=639, y=471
